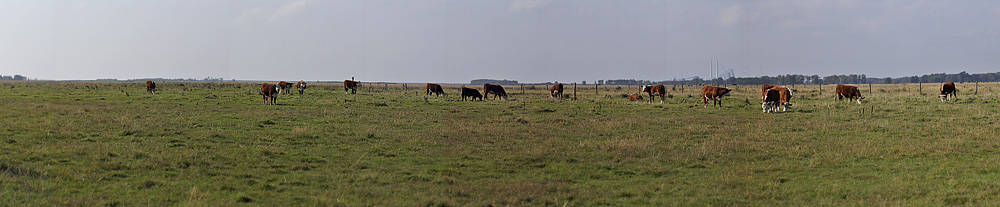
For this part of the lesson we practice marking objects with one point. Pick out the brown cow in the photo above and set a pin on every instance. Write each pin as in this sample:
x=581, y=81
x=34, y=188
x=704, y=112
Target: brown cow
x=269, y=91
x=301, y=86
x=496, y=90
x=948, y=89
x=771, y=98
x=470, y=92
x=851, y=92
x=657, y=90
x=634, y=97
x=283, y=87
x=351, y=85
x=763, y=90
x=150, y=87
x=436, y=89
x=714, y=93
x=556, y=91
x=783, y=98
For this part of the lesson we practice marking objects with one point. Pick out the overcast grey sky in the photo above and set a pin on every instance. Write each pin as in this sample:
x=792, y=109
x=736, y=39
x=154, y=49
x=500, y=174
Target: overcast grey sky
x=458, y=40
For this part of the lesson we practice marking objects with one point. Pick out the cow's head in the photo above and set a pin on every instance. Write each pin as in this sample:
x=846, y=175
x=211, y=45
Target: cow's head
x=645, y=89
x=791, y=91
x=725, y=91
x=861, y=99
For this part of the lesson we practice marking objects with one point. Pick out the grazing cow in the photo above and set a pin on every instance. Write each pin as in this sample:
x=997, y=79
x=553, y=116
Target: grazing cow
x=556, y=91
x=283, y=87
x=436, y=89
x=657, y=90
x=151, y=87
x=470, y=92
x=269, y=91
x=763, y=90
x=781, y=99
x=351, y=85
x=714, y=93
x=948, y=89
x=634, y=97
x=851, y=92
x=771, y=98
x=496, y=90
x=301, y=86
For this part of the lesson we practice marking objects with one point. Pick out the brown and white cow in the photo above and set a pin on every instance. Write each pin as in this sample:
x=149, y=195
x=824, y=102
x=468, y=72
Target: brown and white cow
x=351, y=86
x=714, y=93
x=763, y=90
x=269, y=91
x=634, y=97
x=150, y=87
x=436, y=89
x=948, y=89
x=556, y=91
x=301, y=86
x=657, y=90
x=771, y=98
x=496, y=90
x=779, y=96
x=851, y=92
x=283, y=87
x=470, y=92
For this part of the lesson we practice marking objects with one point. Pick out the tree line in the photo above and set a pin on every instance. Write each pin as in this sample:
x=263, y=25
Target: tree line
x=15, y=77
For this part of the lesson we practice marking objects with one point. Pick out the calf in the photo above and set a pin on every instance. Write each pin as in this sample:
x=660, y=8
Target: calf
x=771, y=98
x=496, y=90
x=948, y=89
x=657, y=90
x=851, y=92
x=269, y=91
x=714, y=93
x=469, y=92
x=634, y=97
x=151, y=87
x=351, y=85
x=436, y=89
x=556, y=91
x=301, y=86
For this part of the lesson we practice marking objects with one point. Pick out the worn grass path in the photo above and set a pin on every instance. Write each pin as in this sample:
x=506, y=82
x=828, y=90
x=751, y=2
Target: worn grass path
x=216, y=144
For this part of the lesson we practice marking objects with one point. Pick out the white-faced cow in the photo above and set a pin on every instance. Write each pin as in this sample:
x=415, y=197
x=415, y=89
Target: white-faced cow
x=763, y=90
x=283, y=87
x=470, y=92
x=714, y=93
x=556, y=91
x=496, y=90
x=851, y=92
x=269, y=91
x=350, y=85
x=151, y=87
x=771, y=98
x=948, y=89
x=301, y=86
x=657, y=90
x=781, y=99
x=436, y=89
x=634, y=97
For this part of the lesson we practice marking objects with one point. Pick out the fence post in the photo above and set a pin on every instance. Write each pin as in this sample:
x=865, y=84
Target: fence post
x=920, y=88
x=597, y=89
x=574, y=91
x=869, y=89
x=522, y=88
x=977, y=88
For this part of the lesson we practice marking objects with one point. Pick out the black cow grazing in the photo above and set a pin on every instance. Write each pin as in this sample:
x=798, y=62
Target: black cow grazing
x=470, y=92
x=351, y=85
x=948, y=89
x=436, y=89
x=556, y=91
x=496, y=90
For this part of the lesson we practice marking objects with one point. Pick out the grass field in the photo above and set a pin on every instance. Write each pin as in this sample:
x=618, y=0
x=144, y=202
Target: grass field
x=217, y=144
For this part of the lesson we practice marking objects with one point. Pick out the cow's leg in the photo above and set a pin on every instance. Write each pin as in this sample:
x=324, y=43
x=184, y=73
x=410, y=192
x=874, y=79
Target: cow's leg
x=345, y=89
x=704, y=100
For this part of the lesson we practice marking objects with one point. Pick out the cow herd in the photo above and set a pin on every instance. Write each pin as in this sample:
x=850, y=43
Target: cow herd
x=772, y=97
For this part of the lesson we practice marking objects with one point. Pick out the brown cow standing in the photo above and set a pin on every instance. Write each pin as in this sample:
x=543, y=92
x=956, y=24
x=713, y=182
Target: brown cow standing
x=771, y=98
x=556, y=91
x=763, y=90
x=783, y=97
x=469, y=92
x=714, y=93
x=496, y=90
x=948, y=89
x=269, y=91
x=634, y=97
x=283, y=87
x=658, y=90
x=436, y=89
x=301, y=86
x=851, y=92
x=351, y=85
x=151, y=87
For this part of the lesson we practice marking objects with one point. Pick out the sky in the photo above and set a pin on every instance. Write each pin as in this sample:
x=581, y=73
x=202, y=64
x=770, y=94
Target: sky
x=455, y=41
